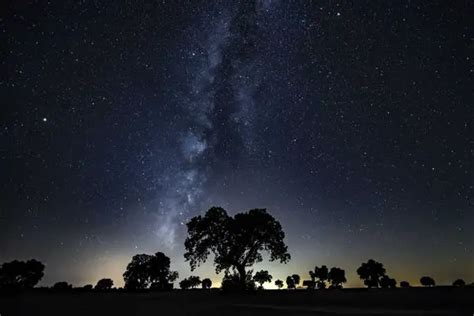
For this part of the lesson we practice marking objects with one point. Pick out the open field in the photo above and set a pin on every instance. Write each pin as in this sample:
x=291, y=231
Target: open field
x=412, y=301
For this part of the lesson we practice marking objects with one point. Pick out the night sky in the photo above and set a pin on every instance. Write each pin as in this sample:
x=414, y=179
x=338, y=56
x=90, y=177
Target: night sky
x=351, y=122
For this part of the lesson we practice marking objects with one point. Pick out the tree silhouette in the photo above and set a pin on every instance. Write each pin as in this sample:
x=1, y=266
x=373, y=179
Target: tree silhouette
x=371, y=272
x=296, y=278
x=20, y=274
x=87, y=287
x=387, y=282
x=149, y=271
x=279, y=283
x=232, y=281
x=62, y=286
x=194, y=281
x=184, y=284
x=206, y=283
x=427, y=281
x=290, y=283
x=261, y=277
x=310, y=284
x=236, y=242
x=459, y=283
x=319, y=276
x=336, y=277
x=104, y=284
x=404, y=284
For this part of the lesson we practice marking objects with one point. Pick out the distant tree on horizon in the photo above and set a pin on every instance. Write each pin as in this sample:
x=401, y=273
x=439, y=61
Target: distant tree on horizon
x=371, y=272
x=404, y=284
x=262, y=277
x=337, y=277
x=387, y=282
x=292, y=281
x=62, y=286
x=149, y=271
x=236, y=242
x=104, y=284
x=279, y=284
x=21, y=274
x=206, y=283
x=319, y=276
x=184, y=284
x=427, y=281
x=88, y=287
x=310, y=284
x=459, y=283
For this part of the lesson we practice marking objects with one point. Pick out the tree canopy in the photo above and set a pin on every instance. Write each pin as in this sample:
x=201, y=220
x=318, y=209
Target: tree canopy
x=104, y=284
x=20, y=274
x=371, y=272
x=236, y=242
x=427, y=281
x=262, y=277
x=149, y=271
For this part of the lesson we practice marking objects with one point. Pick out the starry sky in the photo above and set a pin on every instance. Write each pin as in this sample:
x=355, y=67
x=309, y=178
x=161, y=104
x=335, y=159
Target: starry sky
x=350, y=121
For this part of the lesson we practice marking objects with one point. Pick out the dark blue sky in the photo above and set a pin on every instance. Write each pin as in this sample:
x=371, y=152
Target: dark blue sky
x=350, y=121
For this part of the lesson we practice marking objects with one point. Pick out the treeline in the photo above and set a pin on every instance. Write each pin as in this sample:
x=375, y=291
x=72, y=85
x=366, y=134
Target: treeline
x=237, y=243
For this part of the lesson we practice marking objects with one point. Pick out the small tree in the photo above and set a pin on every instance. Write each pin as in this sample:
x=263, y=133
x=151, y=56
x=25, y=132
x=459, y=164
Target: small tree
x=297, y=279
x=62, y=286
x=337, y=276
x=206, y=283
x=310, y=284
x=319, y=275
x=104, y=284
x=404, y=284
x=279, y=283
x=387, y=282
x=459, y=283
x=371, y=272
x=87, y=287
x=184, y=284
x=427, y=281
x=290, y=283
x=236, y=242
x=261, y=277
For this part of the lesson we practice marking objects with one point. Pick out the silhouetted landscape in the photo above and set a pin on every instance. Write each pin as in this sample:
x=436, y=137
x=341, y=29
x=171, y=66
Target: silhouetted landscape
x=236, y=244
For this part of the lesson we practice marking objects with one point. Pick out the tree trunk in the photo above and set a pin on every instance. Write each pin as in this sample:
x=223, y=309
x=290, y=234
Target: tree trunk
x=242, y=276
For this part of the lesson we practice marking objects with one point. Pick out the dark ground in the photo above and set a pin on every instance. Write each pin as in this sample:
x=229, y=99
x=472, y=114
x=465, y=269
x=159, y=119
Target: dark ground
x=412, y=301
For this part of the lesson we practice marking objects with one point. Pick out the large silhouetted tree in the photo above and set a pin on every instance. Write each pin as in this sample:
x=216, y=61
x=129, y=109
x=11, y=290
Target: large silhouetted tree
x=279, y=283
x=104, y=284
x=236, y=242
x=427, y=281
x=20, y=274
x=149, y=270
x=371, y=272
x=206, y=283
x=319, y=275
x=232, y=281
x=336, y=277
x=262, y=277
